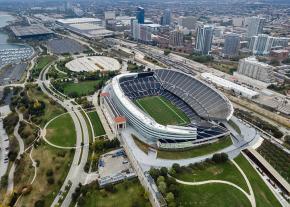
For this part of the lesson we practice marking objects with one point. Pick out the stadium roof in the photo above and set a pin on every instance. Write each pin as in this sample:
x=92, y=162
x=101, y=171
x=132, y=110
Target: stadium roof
x=31, y=30
x=229, y=85
x=141, y=115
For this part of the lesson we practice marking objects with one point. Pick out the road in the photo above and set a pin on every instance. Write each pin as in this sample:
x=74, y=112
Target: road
x=249, y=137
x=76, y=173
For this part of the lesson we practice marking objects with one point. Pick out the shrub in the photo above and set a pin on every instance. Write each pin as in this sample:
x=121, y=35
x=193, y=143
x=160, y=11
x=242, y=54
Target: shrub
x=50, y=180
x=49, y=173
x=4, y=180
x=39, y=203
x=110, y=188
x=220, y=157
x=176, y=167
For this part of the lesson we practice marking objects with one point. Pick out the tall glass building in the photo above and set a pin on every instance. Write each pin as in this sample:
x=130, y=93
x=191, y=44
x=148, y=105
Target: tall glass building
x=140, y=15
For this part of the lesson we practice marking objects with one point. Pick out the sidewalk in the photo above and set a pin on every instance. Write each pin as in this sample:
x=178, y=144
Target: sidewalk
x=105, y=124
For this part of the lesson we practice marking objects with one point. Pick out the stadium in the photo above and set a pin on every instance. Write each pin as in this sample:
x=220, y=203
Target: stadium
x=168, y=108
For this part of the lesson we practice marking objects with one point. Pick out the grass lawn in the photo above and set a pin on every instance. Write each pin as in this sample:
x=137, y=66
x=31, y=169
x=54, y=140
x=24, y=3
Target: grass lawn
x=49, y=158
x=132, y=67
x=142, y=146
x=81, y=88
x=263, y=195
x=128, y=193
x=52, y=109
x=89, y=127
x=61, y=131
x=224, y=66
x=96, y=122
x=24, y=173
x=211, y=195
x=211, y=171
x=197, y=151
x=162, y=110
x=42, y=61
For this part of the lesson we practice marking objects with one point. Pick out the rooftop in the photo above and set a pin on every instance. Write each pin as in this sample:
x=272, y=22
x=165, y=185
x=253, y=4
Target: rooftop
x=86, y=26
x=35, y=29
x=254, y=60
x=78, y=20
x=228, y=84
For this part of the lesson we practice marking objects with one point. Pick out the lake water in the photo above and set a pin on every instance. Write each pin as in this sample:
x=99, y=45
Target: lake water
x=4, y=20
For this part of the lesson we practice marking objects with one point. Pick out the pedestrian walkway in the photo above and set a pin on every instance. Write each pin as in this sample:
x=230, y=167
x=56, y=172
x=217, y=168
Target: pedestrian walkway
x=10, y=185
x=250, y=195
x=104, y=122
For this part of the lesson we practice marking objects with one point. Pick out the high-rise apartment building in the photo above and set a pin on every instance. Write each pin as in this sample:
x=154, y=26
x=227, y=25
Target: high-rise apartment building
x=176, y=39
x=261, y=44
x=166, y=17
x=251, y=67
x=145, y=33
x=135, y=29
x=204, y=35
x=231, y=45
x=255, y=26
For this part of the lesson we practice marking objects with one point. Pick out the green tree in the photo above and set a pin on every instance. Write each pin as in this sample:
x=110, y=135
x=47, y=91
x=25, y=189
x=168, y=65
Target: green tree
x=176, y=167
x=162, y=187
x=160, y=179
x=163, y=171
x=169, y=197
x=155, y=173
x=220, y=157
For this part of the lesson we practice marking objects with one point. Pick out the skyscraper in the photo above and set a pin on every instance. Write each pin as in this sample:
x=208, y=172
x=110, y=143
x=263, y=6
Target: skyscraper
x=145, y=33
x=232, y=45
x=261, y=44
x=204, y=35
x=140, y=15
x=135, y=29
x=67, y=6
x=255, y=26
x=166, y=17
x=176, y=39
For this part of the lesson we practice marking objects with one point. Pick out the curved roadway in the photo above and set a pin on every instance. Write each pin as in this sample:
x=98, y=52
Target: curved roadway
x=76, y=173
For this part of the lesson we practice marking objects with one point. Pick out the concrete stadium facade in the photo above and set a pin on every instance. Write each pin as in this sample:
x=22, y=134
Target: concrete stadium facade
x=155, y=134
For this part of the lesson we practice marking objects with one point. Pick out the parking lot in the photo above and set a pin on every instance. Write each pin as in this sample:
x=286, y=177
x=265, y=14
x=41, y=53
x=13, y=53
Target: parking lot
x=114, y=166
x=12, y=74
x=4, y=142
x=66, y=45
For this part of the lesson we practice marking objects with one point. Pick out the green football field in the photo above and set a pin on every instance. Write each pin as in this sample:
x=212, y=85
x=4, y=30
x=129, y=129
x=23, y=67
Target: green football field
x=162, y=110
